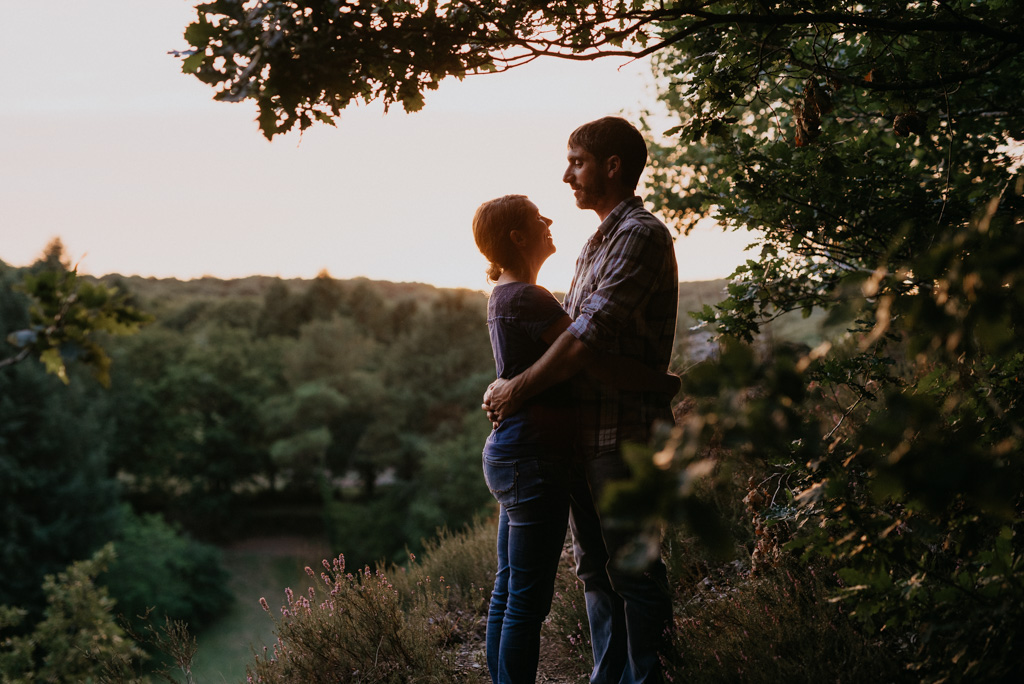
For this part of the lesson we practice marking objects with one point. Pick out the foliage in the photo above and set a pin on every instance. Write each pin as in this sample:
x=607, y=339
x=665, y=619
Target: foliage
x=853, y=138
x=174, y=641
x=396, y=623
x=568, y=624
x=924, y=542
x=162, y=573
x=78, y=639
x=57, y=501
x=368, y=529
x=777, y=626
x=451, y=487
x=185, y=409
x=355, y=405
x=873, y=151
x=306, y=61
x=67, y=315
x=357, y=627
x=464, y=559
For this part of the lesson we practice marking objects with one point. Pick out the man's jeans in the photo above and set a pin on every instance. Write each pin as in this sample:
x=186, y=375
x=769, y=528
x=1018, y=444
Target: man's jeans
x=531, y=531
x=630, y=612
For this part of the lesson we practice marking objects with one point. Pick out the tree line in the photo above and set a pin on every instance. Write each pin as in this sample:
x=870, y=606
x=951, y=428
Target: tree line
x=347, y=410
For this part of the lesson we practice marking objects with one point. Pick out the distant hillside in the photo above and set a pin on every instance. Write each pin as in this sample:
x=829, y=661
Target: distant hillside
x=156, y=289
x=162, y=295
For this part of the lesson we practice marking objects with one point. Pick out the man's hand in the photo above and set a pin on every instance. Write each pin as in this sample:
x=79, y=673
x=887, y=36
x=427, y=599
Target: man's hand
x=499, y=401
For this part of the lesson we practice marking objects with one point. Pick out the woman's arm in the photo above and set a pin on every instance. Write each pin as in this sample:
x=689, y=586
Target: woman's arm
x=549, y=336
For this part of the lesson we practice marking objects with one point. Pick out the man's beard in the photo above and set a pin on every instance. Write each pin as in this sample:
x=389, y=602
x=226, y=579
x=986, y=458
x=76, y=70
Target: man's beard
x=591, y=195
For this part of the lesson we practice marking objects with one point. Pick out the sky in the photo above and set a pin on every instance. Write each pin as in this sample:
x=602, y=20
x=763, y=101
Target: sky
x=107, y=145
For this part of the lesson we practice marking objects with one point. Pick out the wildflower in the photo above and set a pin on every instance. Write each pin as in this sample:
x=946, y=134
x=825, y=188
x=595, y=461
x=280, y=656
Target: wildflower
x=263, y=603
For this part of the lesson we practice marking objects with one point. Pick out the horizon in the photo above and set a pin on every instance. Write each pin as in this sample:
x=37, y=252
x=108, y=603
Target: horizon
x=262, y=276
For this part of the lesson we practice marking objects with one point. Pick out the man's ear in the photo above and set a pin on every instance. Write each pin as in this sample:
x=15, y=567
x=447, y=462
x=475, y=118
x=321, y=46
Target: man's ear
x=613, y=166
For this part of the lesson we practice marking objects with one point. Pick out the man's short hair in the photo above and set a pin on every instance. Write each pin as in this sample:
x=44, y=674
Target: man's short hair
x=614, y=136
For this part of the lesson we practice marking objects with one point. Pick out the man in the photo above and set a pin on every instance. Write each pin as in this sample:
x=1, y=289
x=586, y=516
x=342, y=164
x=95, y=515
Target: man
x=623, y=299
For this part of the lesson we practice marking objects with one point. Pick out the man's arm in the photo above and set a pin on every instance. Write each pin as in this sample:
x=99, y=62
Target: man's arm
x=632, y=375
x=563, y=359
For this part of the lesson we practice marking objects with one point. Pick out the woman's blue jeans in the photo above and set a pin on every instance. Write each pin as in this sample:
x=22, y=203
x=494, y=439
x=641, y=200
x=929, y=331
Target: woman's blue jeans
x=532, y=524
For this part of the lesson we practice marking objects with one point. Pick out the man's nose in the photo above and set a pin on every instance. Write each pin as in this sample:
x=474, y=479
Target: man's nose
x=567, y=176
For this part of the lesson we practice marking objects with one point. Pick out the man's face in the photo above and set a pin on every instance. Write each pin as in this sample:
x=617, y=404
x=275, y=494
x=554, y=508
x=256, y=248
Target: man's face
x=588, y=179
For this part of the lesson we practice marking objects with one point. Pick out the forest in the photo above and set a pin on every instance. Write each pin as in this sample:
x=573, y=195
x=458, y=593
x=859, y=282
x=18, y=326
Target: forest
x=845, y=506
x=342, y=411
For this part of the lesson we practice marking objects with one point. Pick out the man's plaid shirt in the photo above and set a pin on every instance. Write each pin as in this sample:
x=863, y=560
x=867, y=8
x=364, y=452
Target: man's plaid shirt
x=623, y=299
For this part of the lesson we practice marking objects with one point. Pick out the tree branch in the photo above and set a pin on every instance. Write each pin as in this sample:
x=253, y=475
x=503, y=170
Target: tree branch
x=17, y=358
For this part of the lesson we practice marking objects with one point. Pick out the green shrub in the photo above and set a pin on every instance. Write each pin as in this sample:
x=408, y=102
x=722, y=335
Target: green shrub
x=368, y=529
x=77, y=640
x=161, y=570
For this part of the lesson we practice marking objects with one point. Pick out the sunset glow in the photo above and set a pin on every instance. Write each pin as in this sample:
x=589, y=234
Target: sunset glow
x=107, y=145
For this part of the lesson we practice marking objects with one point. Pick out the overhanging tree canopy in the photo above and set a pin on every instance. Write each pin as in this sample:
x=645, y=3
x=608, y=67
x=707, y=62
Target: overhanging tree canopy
x=306, y=60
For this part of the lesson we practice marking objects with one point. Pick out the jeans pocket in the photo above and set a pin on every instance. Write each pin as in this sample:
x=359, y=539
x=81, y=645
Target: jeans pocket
x=502, y=478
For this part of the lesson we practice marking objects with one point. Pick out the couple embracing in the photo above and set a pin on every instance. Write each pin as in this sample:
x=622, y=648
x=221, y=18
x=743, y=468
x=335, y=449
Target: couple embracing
x=577, y=381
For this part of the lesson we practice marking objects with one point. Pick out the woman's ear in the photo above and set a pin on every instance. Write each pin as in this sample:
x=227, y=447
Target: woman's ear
x=517, y=237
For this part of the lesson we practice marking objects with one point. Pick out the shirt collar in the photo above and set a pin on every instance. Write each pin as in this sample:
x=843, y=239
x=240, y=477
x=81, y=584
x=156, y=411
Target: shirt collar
x=620, y=212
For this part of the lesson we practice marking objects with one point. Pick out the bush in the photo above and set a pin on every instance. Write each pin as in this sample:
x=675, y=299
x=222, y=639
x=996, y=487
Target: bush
x=78, y=639
x=368, y=530
x=395, y=624
x=464, y=561
x=357, y=627
x=159, y=569
x=778, y=626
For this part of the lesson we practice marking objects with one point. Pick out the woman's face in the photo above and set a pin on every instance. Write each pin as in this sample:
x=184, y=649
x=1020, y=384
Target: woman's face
x=537, y=244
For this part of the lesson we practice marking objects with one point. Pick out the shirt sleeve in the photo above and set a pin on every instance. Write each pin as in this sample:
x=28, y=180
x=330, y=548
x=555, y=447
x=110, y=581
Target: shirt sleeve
x=629, y=273
x=539, y=311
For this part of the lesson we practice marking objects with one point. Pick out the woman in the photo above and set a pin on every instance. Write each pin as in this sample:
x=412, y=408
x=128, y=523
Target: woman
x=526, y=458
